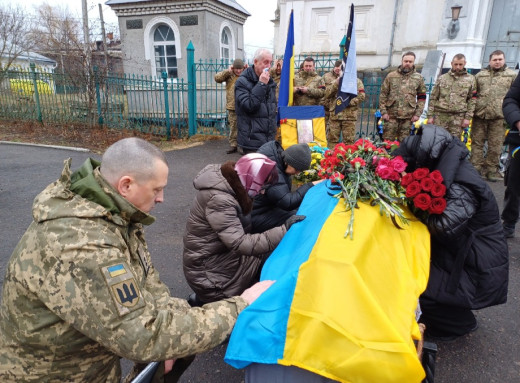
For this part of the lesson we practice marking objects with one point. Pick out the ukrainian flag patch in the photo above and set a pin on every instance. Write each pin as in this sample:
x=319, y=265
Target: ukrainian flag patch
x=116, y=270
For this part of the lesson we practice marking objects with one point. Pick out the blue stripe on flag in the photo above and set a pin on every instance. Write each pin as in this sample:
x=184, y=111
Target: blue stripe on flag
x=260, y=331
x=302, y=112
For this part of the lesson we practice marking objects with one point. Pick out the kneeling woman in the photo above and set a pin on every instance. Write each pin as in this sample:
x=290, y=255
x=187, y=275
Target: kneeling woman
x=221, y=258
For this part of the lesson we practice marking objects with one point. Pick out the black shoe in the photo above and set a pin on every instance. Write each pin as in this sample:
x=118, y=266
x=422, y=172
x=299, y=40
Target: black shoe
x=439, y=337
x=509, y=230
x=232, y=149
x=194, y=301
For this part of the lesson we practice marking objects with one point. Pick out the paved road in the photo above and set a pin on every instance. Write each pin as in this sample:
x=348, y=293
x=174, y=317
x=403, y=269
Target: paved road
x=491, y=354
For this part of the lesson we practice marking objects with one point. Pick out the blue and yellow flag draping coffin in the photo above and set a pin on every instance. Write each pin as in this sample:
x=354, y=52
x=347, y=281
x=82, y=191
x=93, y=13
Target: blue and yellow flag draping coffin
x=342, y=308
x=302, y=124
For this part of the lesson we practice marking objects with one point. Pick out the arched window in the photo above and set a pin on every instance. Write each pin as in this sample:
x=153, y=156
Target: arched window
x=226, y=44
x=165, y=51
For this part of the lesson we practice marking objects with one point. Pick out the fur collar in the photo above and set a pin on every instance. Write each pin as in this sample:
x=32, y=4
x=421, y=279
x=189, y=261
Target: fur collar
x=228, y=171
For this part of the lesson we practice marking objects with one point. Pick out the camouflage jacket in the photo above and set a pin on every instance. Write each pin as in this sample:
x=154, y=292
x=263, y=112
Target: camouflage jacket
x=328, y=78
x=492, y=86
x=454, y=93
x=80, y=291
x=403, y=95
x=229, y=78
x=350, y=113
x=315, y=92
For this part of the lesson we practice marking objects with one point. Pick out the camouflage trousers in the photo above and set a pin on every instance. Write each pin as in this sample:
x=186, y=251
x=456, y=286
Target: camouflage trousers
x=491, y=131
x=232, y=122
x=397, y=128
x=339, y=127
x=452, y=122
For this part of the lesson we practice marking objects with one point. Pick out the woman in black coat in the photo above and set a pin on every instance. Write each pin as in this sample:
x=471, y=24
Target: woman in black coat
x=469, y=255
x=511, y=109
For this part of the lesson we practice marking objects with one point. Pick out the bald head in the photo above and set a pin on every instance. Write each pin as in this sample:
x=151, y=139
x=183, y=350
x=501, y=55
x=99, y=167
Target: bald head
x=133, y=157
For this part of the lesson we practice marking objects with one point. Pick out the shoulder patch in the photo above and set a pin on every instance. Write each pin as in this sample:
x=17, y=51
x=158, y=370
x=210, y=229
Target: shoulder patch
x=123, y=287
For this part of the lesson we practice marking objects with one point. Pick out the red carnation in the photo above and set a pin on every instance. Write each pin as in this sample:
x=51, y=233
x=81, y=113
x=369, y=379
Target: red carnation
x=436, y=176
x=437, y=206
x=438, y=190
x=356, y=161
x=413, y=189
x=422, y=201
x=420, y=173
x=427, y=184
x=407, y=179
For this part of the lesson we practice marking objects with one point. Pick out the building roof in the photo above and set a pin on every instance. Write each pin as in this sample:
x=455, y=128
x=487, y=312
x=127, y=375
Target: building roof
x=229, y=3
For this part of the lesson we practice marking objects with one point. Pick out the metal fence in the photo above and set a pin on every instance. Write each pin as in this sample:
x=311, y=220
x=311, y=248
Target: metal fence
x=162, y=106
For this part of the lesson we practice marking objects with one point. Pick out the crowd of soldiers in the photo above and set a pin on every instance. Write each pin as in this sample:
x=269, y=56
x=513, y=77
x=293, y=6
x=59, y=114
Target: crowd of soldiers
x=457, y=100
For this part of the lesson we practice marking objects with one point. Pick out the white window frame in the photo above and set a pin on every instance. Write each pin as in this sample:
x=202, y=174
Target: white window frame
x=232, y=43
x=149, y=52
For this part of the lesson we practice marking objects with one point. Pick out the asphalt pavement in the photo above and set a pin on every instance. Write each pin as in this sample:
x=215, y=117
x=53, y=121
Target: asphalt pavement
x=491, y=354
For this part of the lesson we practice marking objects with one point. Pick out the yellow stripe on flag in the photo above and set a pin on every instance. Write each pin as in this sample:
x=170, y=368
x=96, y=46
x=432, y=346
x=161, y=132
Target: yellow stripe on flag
x=354, y=305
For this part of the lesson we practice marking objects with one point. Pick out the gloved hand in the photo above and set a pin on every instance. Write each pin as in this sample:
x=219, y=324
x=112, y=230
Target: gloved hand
x=293, y=219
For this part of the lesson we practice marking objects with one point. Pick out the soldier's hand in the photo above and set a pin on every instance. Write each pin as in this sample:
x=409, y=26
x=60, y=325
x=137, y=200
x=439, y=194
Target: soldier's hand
x=230, y=68
x=168, y=365
x=415, y=118
x=430, y=121
x=252, y=293
x=385, y=117
x=465, y=123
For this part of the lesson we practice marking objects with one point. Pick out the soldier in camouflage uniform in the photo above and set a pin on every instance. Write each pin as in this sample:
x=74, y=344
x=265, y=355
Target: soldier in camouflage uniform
x=80, y=290
x=276, y=75
x=343, y=123
x=329, y=78
x=488, y=121
x=402, y=99
x=309, y=87
x=230, y=76
x=453, y=97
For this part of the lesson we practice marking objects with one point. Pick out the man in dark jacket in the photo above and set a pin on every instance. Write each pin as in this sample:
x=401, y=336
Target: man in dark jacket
x=469, y=255
x=255, y=104
x=511, y=109
x=277, y=202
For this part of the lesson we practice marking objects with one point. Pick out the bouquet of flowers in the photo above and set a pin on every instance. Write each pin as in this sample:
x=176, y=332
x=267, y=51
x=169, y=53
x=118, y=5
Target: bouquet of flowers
x=317, y=154
x=425, y=192
x=366, y=172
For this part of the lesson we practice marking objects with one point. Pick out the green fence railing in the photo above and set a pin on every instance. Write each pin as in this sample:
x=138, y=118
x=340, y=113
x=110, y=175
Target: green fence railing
x=161, y=106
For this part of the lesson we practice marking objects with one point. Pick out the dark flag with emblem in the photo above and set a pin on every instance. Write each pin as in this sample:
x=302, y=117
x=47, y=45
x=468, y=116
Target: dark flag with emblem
x=348, y=81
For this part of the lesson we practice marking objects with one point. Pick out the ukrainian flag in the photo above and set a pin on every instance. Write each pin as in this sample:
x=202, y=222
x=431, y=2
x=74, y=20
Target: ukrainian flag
x=285, y=95
x=341, y=308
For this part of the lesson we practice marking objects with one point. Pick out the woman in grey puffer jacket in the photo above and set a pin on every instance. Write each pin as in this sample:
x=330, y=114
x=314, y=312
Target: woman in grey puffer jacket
x=221, y=259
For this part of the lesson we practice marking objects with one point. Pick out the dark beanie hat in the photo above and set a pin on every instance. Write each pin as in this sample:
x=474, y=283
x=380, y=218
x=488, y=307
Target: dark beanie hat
x=298, y=156
x=238, y=64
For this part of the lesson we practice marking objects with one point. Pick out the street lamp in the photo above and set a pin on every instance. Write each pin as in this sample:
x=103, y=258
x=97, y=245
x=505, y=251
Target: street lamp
x=454, y=25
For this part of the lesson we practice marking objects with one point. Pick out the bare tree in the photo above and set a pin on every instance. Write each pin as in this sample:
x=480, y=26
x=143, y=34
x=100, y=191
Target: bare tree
x=14, y=27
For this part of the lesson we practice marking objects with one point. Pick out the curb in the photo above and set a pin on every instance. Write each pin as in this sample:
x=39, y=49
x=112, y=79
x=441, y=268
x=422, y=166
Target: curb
x=45, y=146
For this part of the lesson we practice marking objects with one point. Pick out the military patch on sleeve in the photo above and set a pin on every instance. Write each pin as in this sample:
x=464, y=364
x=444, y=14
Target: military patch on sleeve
x=123, y=287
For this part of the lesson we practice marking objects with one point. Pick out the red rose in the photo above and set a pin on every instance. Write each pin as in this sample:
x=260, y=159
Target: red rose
x=398, y=164
x=427, y=184
x=413, y=189
x=407, y=179
x=438, y=190
x=437, y=206
x=422, y=201
x=384, y=172
x=420, y=173
x=436, y=176
x=395, y=176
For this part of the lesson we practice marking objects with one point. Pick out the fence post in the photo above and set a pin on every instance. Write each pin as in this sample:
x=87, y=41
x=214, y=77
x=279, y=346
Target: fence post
x=36, y=94
x=98, y=97
x=164, y=76
x=192, y=91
